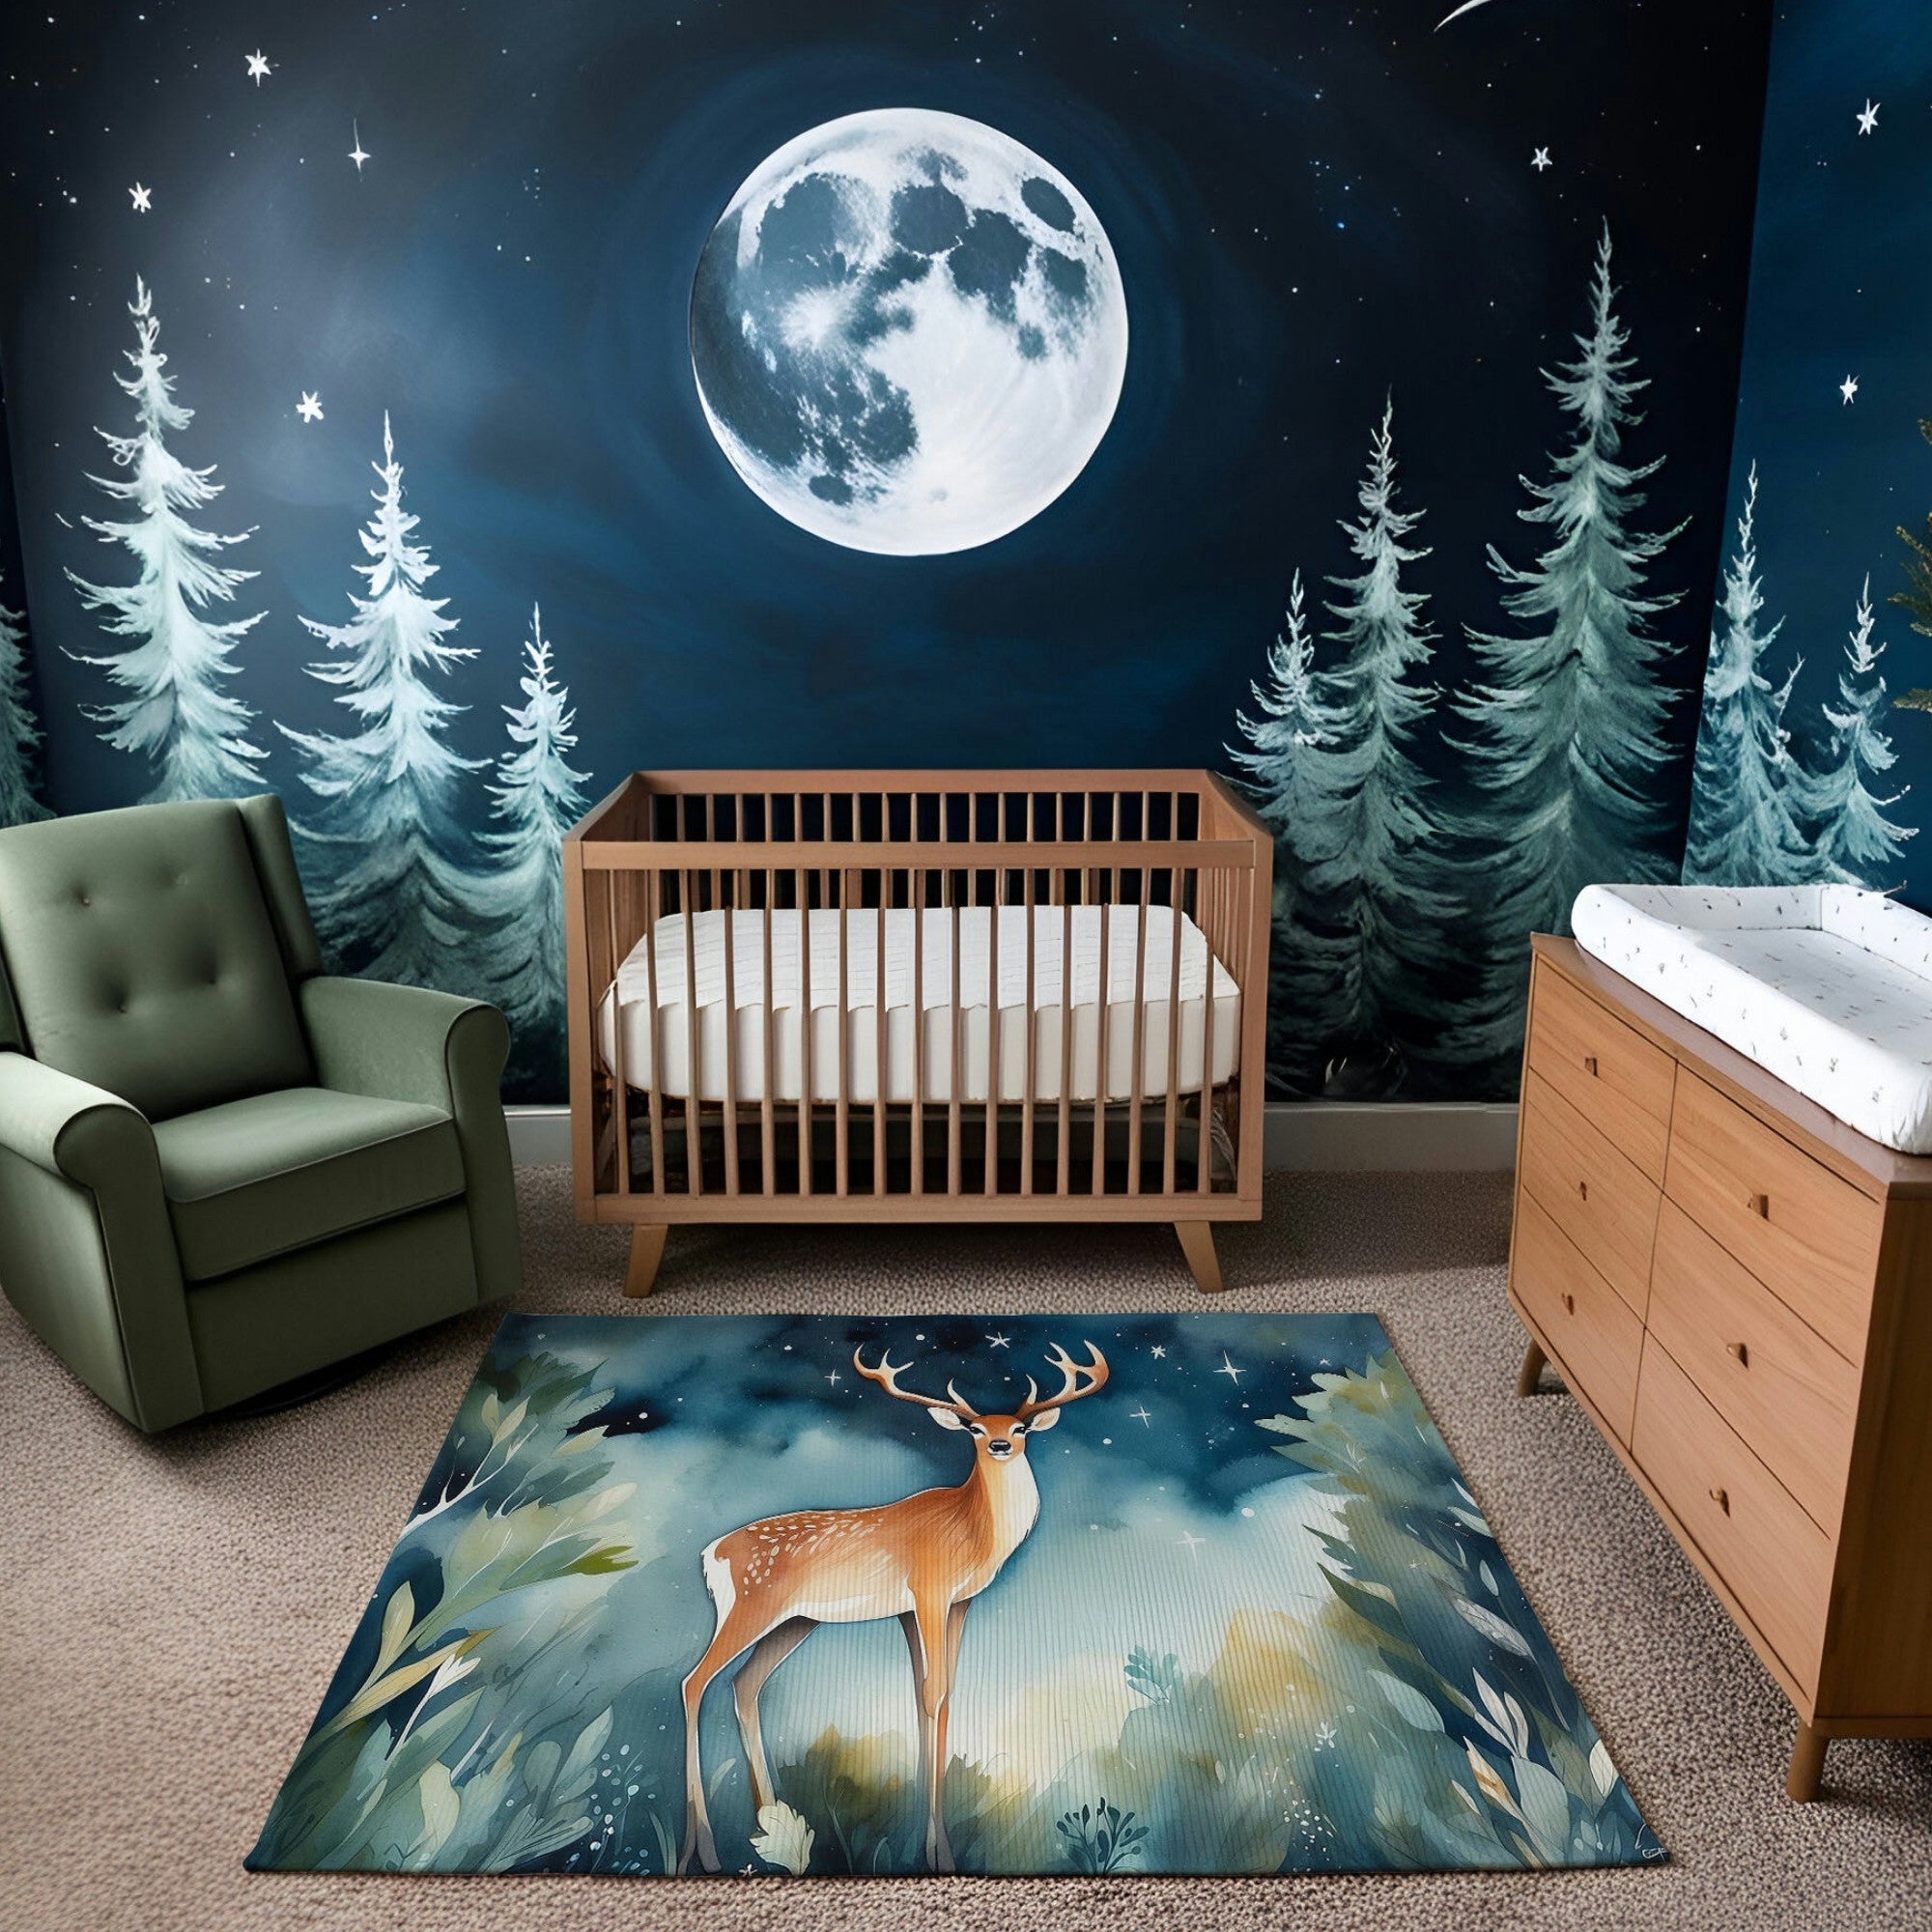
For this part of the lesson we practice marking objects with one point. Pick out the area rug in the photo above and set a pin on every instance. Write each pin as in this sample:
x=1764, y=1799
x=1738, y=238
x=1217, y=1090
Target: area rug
x=1129, y=1594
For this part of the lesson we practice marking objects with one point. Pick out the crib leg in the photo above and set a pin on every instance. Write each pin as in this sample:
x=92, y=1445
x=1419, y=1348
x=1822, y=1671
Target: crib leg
x=1197, y=1243
x=647, y=1247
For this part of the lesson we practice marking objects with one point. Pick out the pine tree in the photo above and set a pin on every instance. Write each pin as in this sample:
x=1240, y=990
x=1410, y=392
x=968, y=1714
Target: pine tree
x=1855, y=844
x=1570, y=716
x=1743, y=828
x=1297, y=722
x=393, y=892
x=20, y=734
x=537, y=798
x=1373, y=933
x=177, y=714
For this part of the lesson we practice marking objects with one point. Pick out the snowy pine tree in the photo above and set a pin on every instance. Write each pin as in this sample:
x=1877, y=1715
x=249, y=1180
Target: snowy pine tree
x=390, y=888
x=1855, y=843
x=1570, y=716
x=1296, y=720
x=1370, y=938
x=177, y=714
x=537, y=798
x=20, y=734
x=1744, y=827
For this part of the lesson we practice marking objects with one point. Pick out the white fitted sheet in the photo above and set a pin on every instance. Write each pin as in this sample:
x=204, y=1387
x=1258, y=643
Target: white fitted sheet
x=978, y=957
x=1825, y=986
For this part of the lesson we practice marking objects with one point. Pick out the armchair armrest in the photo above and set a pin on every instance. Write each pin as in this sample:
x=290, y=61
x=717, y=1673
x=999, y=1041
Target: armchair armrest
x=409, y=1044
x=87, y=1251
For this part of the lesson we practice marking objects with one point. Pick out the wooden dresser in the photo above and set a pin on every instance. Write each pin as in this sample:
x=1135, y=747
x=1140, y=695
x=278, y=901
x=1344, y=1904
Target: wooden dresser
x=1738, y=1289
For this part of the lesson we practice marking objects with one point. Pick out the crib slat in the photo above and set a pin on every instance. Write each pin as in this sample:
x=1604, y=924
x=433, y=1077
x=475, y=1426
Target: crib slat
x=1101, y=1082
x=1140, y=1026
x=654, y=1094
x=621, y=1093
x=1204, y=1157
x=768, y=1149
x=954, y=1153
x=989, y=1179
x=1167, y=1151
x=840, y=1111
x=918, y=1018
x=694, y=1113
x=1063, y=1178
x=1031, y=1073
x=879, y=1035
x=805, y=1086
x=730, y=1051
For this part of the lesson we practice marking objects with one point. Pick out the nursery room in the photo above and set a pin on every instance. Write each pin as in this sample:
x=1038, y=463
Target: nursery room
x=946, y=945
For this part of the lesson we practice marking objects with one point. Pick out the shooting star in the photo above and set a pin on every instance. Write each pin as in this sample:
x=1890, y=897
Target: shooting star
x=1468, y=7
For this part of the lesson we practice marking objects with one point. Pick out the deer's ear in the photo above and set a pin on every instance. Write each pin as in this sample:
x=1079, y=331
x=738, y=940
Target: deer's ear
x=946, y=1418
x=1045, y=1419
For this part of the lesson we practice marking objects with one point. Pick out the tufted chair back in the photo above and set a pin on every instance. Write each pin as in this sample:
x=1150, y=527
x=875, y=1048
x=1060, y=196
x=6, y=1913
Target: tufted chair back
x=153, y=951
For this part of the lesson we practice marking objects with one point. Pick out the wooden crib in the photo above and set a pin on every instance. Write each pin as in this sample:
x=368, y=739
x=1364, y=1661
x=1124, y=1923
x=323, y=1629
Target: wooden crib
x=917, y=996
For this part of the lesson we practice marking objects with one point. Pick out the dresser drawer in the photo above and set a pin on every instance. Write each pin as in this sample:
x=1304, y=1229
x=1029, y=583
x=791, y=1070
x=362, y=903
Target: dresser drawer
x=1773, y=1557
x=1607, y=1069
x=1607, y=1206
x=1810, y=1237
x=1793, y=1400
x=1597, y=1339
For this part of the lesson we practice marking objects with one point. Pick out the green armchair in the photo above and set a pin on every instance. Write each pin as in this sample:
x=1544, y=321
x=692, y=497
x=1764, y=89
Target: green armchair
x=220, y=1168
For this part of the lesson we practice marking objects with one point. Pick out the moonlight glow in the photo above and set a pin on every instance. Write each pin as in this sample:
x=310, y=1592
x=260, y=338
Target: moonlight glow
x=909, y=331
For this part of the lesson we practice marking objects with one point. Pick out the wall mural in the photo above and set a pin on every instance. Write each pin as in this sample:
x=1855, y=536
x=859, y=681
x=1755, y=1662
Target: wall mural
x=890, y=384
x=1806, y=772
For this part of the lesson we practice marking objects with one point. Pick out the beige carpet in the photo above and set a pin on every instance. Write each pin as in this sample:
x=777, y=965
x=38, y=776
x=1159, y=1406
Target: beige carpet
x=172, y=1610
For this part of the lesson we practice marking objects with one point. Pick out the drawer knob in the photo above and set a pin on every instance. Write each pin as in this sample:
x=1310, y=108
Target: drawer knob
x=1590, y=1064
x=1760, y=1206
x=1739, y=1352
x=1722, y=1499
x=1583, y=1190
x=1570, y=1304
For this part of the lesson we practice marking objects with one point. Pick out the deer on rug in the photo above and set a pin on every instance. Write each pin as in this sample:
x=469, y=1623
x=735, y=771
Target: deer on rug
x=922, y=1559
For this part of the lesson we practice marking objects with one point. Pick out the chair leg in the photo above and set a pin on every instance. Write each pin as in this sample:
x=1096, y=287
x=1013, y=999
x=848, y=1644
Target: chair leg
x=647, y=1247
x=1534, y=1360
x=1197, y=1243
x=1807, y=1765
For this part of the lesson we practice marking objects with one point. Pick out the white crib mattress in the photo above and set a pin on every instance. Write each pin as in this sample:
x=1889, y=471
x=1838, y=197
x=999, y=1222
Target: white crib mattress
x=1825, y=986
x=983, y=967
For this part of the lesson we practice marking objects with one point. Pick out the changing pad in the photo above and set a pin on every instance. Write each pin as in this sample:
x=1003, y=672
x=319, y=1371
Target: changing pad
x=992, y=979
x=1827, y=987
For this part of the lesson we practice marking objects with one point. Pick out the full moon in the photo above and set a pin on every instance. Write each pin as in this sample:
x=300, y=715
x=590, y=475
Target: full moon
x=908, y=333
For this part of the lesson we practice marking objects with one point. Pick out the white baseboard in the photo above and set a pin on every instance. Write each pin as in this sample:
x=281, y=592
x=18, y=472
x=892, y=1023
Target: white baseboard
x=1320, y=1136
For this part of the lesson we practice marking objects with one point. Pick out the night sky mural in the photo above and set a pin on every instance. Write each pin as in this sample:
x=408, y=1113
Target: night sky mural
x=1808, y=768
x=1023, y=470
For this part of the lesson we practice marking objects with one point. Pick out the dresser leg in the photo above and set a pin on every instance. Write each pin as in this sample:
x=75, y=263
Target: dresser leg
x=1532, y=1368
x=1807, y=1765
x=647, y=1246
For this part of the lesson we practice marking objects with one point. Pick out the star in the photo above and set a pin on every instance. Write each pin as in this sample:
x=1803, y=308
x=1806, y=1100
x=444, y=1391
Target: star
x=999, y=1341
x=357, y=154
x=258, y=67
x=832, y=1377
x=143, y=198
x=1541, y=161
x=1190, y=1542
x=310, y=408
x=1868, y=120
x=1228, y=1370
x=1849, y=389
x=1158, y=1353
x=1141, y=1416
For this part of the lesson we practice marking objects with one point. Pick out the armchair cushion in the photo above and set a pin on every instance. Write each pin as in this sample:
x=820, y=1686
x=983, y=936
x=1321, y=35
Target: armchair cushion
x=265, y=1176
x=143, y=957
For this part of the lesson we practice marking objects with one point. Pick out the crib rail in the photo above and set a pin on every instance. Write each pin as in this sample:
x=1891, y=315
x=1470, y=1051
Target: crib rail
x=793, y=850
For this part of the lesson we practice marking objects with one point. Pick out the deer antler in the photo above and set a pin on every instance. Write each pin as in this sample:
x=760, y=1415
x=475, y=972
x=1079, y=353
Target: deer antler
x=1077, y=1378
x=886, y=1375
